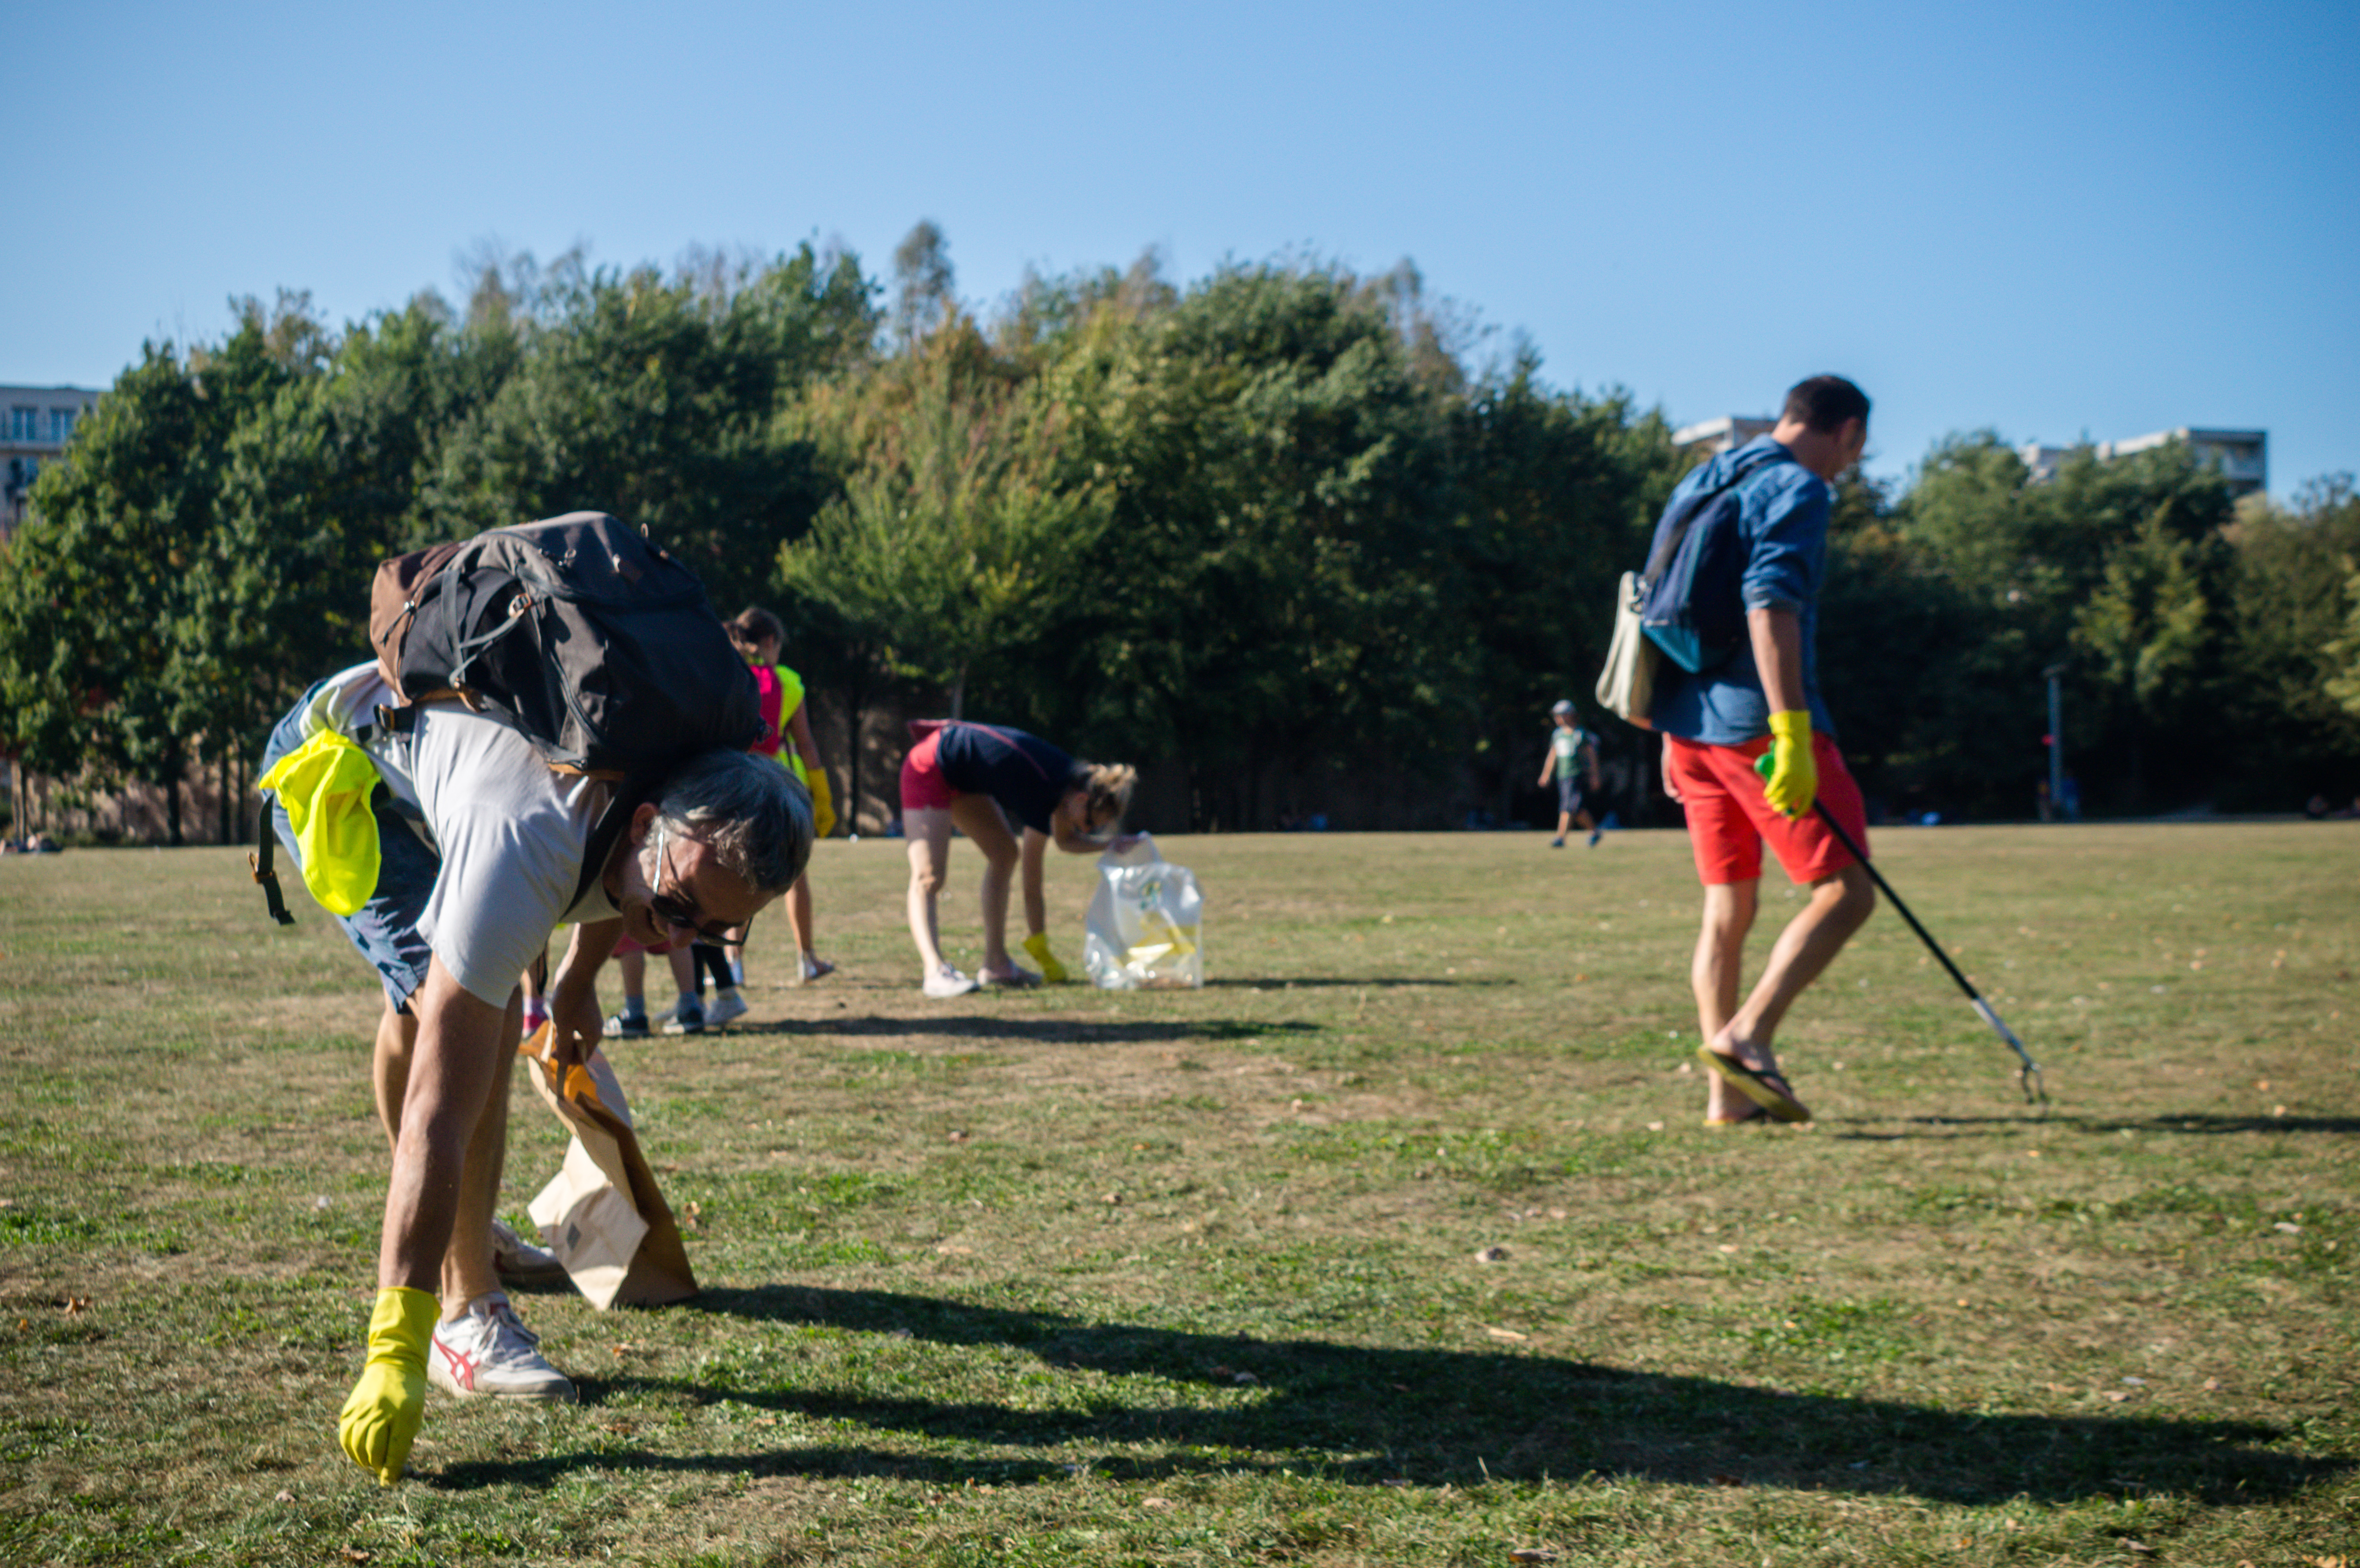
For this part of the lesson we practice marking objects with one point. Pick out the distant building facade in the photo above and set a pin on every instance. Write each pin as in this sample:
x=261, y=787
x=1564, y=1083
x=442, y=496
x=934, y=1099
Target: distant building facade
x=2241, y=456
x=1726, y=432
x=35, y=422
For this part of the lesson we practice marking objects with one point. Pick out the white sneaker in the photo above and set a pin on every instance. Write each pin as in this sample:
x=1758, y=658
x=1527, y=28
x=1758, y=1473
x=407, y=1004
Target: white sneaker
x=947, y=982
x=485, y=1351
x=814, y=967
x=726, y=1005
x=517, y=1258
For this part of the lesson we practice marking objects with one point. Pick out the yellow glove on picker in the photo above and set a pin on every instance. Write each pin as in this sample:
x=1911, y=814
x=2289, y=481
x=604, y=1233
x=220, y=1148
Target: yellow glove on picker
x=381, y=1420
x=823, y=803
x=1793, y=774
x=1037, y=944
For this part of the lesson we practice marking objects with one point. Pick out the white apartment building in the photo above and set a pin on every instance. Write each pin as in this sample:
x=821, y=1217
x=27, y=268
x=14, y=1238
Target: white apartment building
x=33, y=424
x=2241, y=456
x=1726, y=432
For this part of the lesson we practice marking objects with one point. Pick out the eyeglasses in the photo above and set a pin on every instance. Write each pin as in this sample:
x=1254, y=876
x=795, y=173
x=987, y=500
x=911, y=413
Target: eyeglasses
x=670, y=908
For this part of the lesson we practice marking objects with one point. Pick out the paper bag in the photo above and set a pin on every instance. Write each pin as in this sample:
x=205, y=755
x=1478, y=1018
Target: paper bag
x=603, y=1215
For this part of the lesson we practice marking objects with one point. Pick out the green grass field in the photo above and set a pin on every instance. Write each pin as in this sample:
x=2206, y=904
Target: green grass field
x=1401, y=1242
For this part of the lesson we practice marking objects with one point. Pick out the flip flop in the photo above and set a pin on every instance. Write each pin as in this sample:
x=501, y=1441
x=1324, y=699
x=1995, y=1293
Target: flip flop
x=1768, y=1089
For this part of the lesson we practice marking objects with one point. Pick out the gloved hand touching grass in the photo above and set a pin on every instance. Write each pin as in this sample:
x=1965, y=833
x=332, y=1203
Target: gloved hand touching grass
x=1037, y=944
x=388, y=1405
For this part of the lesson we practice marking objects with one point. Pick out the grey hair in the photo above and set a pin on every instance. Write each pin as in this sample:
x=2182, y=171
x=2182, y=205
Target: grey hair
x=755, y=814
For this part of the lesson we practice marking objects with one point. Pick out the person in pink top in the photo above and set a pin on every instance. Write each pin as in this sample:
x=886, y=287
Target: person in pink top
x=788, y=739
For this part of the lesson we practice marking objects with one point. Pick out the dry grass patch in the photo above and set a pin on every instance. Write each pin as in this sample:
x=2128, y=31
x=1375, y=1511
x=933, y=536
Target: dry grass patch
x=1399, y=1243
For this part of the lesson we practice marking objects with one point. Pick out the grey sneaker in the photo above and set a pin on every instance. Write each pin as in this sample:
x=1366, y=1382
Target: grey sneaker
x=947, y=982
x=814, y=967
x=1016, y=979
x=726, y=1005
x=486, y=1352
x=517, y=1258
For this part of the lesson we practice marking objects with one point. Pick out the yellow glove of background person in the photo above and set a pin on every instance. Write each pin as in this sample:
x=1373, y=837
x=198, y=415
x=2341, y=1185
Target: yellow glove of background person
x=823, y=803
x=1037, y=944
x=381, y=1420
x=1794, y=774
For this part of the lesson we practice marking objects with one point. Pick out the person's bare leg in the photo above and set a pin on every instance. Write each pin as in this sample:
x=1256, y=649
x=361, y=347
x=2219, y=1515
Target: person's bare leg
x=467, y=1270
x=799, y=918
x=396, y=1040
x=1728, y=909
x=683, y=970
x=929, y=862
x=979, y=817
x=1839, y=904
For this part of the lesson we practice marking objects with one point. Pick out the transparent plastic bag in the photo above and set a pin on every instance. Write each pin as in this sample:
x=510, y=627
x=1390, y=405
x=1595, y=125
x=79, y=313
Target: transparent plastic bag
x=1145, y=923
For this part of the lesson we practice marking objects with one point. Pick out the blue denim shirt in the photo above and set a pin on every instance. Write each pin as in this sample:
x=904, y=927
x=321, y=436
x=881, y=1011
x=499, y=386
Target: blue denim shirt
x=1784, y=521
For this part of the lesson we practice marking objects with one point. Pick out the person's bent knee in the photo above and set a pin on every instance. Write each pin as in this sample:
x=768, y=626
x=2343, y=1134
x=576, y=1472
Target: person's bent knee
x=928, y=880
x=1855, y=892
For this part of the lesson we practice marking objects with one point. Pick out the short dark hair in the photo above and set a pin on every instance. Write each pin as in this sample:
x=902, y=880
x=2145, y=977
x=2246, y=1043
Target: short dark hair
x=1825, y=402
x=755, y=624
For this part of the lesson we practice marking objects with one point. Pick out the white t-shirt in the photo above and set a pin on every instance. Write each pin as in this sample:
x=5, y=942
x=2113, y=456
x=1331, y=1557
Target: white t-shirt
x=511, y=833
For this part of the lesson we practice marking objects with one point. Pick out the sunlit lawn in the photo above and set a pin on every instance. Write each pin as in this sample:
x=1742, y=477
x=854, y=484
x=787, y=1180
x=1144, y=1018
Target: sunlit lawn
x=1401, y=1242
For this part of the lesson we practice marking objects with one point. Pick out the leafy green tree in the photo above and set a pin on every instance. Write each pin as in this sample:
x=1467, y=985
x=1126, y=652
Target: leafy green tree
x=1553, y=498
x=962, y=533
x=108, y=664
x=2343, y=651
x=656, y=400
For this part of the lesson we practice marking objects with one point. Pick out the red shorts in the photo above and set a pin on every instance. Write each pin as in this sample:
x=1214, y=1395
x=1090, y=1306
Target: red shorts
x=923, y=787
x=1729, y=820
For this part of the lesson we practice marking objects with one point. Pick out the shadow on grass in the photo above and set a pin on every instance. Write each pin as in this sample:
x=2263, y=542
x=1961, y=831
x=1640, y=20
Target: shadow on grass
x=2191, y=1125
x=1334, y=982
x=1061, y=1031
x=1373, y=1416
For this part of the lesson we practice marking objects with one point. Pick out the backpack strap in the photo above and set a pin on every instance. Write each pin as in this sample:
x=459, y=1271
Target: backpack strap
x=265, y=843
x=1667, y=547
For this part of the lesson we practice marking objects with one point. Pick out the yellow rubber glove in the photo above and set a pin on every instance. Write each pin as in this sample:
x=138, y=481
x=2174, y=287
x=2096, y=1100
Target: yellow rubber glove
x=823, y=803
x=381, y=1420
x=1794, y=776
x=1037, y=944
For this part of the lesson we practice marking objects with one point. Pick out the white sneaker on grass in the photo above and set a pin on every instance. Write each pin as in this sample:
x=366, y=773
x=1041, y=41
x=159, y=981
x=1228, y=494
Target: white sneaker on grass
x=727, y=1004
x=813, y=965
x=486, y=1352
x=517, y=1258
x=947, y=982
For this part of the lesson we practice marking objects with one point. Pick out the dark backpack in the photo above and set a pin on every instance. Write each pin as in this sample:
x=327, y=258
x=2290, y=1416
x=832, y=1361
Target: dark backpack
x=580, y=633
x=1690, y=603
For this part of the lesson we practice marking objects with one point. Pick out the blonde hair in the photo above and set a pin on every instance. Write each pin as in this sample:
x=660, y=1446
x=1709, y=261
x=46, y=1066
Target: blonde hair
x=1108, y=784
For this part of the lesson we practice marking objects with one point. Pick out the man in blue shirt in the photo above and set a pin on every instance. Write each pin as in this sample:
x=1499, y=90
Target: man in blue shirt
x=1764, y=700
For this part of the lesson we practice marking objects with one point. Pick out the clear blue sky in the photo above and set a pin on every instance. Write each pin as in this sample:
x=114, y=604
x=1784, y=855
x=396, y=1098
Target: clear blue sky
x=2055, y=220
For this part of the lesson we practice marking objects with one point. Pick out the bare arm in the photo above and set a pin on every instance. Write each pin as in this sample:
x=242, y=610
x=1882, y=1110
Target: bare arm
x=1778, y=637
x=1034, y=852
x=461, y=1046
x=575, y=1025
x=799, y=728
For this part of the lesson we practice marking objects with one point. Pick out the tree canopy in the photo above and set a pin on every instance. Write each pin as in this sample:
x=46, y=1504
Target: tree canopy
x=1271, y=527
